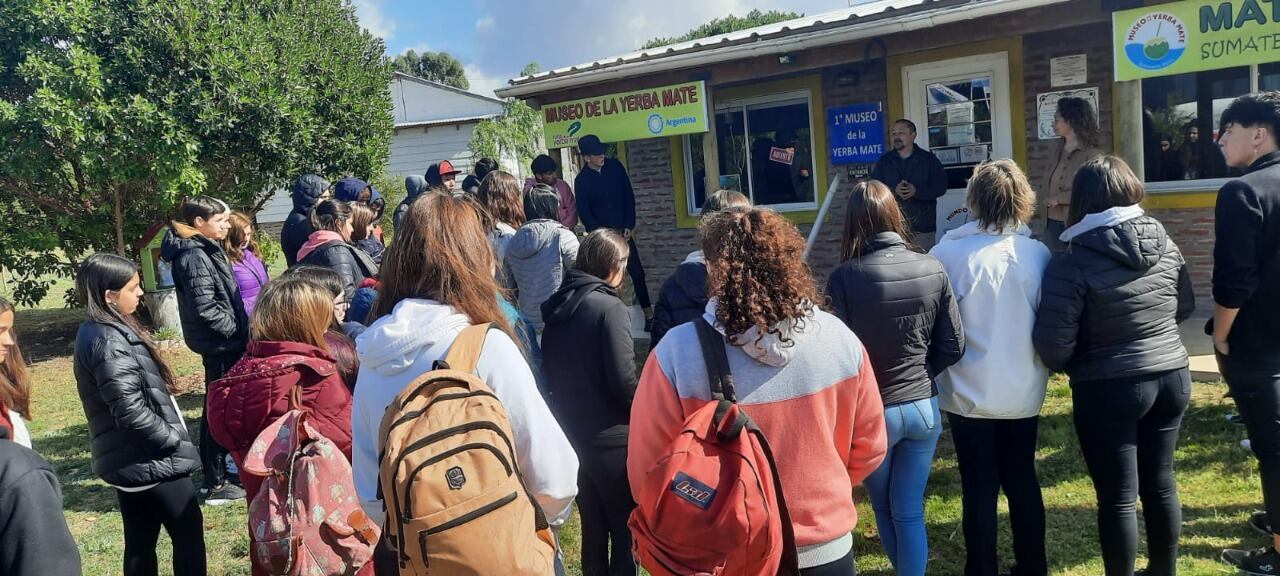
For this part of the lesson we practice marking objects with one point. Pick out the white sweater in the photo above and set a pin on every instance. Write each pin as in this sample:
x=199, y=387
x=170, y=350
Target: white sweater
x=996, y=279
x=398, y=348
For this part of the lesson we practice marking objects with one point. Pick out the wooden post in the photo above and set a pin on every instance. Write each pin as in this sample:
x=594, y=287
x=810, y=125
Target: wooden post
x=710, y=152
x=1126, y=116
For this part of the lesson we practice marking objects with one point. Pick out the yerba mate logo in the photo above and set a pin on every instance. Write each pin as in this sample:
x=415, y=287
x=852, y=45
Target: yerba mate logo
x=1155, y=41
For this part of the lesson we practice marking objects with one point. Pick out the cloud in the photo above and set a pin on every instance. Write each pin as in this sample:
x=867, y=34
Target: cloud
x=369, y=12
x=483, y=83
x=484, y=23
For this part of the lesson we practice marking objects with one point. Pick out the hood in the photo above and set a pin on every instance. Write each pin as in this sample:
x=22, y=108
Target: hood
x=306, y=192
x=348, y=189
x=413, y=186
x=769, y=350
x=179, y=239
x=974, y=228
x=391, y=344
x=691, y=277
x=575, y=288
x=1137, y=243
x=881, y=241
x=317, y=239
x=532, y=238
x=264, y=350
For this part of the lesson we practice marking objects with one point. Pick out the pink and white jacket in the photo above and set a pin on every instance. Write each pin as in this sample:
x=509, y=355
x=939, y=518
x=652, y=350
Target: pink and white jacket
x=816, y=401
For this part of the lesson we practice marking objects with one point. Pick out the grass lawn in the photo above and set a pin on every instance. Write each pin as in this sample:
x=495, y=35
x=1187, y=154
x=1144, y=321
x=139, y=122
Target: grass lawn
x=1217, y=478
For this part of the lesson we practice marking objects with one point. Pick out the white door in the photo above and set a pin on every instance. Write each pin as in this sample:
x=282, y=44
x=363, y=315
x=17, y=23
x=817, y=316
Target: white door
x=962, y=111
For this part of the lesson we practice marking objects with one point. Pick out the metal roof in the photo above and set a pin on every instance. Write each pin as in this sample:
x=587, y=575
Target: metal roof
x=874, y=18
x=446, y=121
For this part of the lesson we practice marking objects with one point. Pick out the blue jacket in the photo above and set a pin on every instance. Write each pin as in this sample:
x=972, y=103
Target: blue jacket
x=605, y=198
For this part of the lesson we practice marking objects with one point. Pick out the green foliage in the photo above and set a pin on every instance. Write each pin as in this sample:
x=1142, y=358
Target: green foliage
x=131, y=106
x=530, y=69
x=439, y=67
x=393, y=191
x=166, y=333
x=269, y=247
x=725, y=25
x=517, y=133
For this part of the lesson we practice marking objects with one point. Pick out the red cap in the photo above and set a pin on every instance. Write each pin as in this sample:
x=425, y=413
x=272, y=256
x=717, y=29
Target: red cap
x=446, y=167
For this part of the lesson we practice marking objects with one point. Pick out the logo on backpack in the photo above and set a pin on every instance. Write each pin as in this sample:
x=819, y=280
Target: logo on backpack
x=697, y=493
x=455, y=478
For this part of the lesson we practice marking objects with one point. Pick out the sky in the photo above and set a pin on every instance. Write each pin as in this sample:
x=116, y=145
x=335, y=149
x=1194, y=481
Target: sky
x=495, y=39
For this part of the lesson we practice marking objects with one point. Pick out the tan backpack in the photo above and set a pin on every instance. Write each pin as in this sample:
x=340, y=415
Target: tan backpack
x=448, y=477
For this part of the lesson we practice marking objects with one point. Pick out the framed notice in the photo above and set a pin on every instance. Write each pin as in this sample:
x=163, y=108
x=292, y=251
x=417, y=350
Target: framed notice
x=1070, y=70
x=1047, y=107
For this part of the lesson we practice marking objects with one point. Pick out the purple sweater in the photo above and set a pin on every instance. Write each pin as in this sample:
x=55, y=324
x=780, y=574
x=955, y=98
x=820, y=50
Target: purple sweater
x=251, y=276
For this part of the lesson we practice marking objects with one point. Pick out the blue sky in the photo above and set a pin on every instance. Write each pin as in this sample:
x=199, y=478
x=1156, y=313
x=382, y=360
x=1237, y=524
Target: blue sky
x=495, y=39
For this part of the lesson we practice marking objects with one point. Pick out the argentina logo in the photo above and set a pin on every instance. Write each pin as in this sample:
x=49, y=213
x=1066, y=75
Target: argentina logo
x=697, y=493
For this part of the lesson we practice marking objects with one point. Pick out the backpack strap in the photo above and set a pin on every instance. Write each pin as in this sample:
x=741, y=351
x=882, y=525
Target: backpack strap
x=790, y=565
x=464, y=354
x=718, y=374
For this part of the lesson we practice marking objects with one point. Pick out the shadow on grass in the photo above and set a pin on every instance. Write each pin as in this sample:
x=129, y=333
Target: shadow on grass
x=47, y=334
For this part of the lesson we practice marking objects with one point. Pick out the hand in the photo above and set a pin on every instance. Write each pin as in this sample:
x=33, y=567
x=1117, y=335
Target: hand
x=906, y=190
x=1052, y=204
x=1222, y=347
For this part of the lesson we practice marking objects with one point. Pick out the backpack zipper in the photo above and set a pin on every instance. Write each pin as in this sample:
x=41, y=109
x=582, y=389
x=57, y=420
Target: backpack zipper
x=469, y=516
x=408, y=491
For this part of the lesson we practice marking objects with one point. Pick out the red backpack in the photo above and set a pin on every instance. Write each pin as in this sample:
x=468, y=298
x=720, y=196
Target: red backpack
x=306, y=519
x=714, y=505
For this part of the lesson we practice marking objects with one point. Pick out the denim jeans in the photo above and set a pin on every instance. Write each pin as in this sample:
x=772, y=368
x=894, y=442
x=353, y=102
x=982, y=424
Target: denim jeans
x=897, y=486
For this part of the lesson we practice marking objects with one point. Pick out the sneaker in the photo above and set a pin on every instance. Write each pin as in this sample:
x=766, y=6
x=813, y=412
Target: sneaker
x=1259, y=522
x=1235, y=418
x=1260, y=562
x=224, y=494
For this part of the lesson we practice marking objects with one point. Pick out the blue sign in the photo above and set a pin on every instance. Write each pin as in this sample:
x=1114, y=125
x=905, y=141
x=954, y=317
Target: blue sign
x=856, y=133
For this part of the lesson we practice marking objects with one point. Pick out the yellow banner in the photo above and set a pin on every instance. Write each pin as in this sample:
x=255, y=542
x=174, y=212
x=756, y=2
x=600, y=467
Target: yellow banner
x=1192, y=35
x=635, y=115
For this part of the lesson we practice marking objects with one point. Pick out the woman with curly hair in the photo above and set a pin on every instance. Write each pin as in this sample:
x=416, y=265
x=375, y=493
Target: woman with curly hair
x=1077, y=124
x=799, y=373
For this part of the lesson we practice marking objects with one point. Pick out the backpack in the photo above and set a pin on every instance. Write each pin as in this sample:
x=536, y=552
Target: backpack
x=714, y=505
x=306, y=519
x=448, y=477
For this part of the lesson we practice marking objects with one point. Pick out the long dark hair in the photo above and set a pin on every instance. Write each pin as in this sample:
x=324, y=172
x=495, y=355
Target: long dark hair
x=1080, y=115
x=15, y=384
x=1102, y=183
x=102, y=272
x=499, y=194
x=872, y=210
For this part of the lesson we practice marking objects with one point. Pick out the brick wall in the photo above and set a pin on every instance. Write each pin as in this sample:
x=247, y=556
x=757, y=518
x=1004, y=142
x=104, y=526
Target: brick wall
x=1192, y=230
x=662, y=246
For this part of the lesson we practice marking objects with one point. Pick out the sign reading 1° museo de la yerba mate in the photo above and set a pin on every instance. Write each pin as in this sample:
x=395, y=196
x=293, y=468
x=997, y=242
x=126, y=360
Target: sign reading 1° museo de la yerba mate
x=634, y=115
x=1194, y=35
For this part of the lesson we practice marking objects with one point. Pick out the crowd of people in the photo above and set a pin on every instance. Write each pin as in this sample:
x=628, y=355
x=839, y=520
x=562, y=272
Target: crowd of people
x=364, y=352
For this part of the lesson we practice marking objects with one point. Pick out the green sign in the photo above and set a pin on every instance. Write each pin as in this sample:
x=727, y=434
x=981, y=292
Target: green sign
x=644, y=113
x=1189, y=36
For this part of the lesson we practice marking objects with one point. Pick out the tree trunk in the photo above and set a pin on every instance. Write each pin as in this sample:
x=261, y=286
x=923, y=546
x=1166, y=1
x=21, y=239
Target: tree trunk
x=119, y=223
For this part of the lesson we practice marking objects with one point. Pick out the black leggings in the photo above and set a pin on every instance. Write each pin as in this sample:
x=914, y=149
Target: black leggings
x=994, y=455
x=636, y=270
x=1256, y=391
x=213, y=457
x=171, y=504
x=1128, y=429
x=841, y=567
x=605, y=504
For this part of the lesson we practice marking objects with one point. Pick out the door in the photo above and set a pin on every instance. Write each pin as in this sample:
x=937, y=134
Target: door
x=962, y=111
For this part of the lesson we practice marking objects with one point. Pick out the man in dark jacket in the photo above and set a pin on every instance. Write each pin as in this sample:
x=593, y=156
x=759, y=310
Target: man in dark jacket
x=34, y=538
x=916, y=178
x=1246, y=280
x=214, y=322
x=307, y=191
x=471, y=184
x=414, y=186
x=606, y=200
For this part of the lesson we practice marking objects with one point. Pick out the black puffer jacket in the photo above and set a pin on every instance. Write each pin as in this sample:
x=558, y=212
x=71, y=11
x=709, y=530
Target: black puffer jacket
x=590, y=361
x=306, y=193
x=1110, y=305
x=214, y=322
x=683, y=297
x=352, y=263
x=135, y=432
x=900, y=305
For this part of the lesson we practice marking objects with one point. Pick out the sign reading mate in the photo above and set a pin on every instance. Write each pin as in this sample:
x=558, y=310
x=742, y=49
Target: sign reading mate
x=856, y=133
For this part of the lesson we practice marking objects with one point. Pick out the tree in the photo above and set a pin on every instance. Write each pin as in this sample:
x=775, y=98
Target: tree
x=530, y=69
x=112, y=112
x=516, y=133
x=725, y=25
x=439, y=67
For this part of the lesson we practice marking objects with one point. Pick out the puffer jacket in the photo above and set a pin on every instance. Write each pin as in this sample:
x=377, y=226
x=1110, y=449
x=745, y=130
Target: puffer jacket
x=256, y=391
x=214, y=322
x=900, y=305
x=136, y=434
x=538, y=255
x=1112, y=302
x=414, y=186
x=251, y=277
x=683, y=297
x=591, y=397
x=306, y=193
x=328, y=250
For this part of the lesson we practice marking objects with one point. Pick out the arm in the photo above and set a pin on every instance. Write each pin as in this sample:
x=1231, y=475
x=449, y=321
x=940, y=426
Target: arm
x=585, y=210
x=628, y=199
x=547, y=460
x=34, y=538
x=870, y=440
x=877, y=173
x=937, y=187
x=119, y=379
x=344, y=263
x=619, y=354
x=568, y=207
x=836, y=291
x=568, y=249
x=1062, y=296
x=946, y=342
x=1223, y=319
x=1235, y=261
x=662, y=317
x=195, y=275
x=1186, y=294
x=656, y=416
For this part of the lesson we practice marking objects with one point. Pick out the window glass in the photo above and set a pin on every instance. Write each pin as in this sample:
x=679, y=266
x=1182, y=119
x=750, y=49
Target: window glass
x=1269, y=76
x=959, y=125
x=1180, y=123
x=695, y=170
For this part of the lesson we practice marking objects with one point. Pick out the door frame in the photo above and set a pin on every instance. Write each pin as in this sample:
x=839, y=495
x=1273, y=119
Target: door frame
x=916, y=108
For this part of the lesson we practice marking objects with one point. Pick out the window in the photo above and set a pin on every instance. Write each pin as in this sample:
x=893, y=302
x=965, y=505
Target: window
x=959, y=125
x=1180, y=120
x=764, y=148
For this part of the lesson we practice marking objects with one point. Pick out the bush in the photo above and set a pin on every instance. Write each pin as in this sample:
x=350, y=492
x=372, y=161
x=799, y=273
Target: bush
x=393, y=191
x=269, y=246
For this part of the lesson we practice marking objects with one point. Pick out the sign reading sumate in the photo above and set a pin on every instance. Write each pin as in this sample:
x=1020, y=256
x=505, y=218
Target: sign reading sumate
x=646, y=113
x=1194, y=35
x=856, y=133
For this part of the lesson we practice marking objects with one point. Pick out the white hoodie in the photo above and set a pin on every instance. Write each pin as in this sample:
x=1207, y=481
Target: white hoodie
x=398, y=348
x=996, y=279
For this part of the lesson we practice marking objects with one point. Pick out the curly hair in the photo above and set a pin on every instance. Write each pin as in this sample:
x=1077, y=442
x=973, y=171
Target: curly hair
x=756, y=271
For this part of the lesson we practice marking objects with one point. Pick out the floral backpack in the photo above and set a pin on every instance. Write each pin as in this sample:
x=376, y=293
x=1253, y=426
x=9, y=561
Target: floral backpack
x=306, y=519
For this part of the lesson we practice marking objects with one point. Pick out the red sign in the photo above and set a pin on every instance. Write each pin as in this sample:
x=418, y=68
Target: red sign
x=782, y=155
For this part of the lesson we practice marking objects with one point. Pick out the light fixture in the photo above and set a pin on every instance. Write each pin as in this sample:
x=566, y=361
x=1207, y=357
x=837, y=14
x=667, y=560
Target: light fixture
x=786, y=59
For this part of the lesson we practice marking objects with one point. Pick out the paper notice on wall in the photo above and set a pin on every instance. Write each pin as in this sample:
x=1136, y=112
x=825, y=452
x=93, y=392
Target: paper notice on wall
x=947, y=156
x=1070, y=70
x=1047, y=107
x=973, y=154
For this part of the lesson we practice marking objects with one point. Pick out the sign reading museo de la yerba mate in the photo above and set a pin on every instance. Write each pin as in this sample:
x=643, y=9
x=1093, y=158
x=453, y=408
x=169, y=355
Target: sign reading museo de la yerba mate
x=1194, y=35
x=635, y=115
